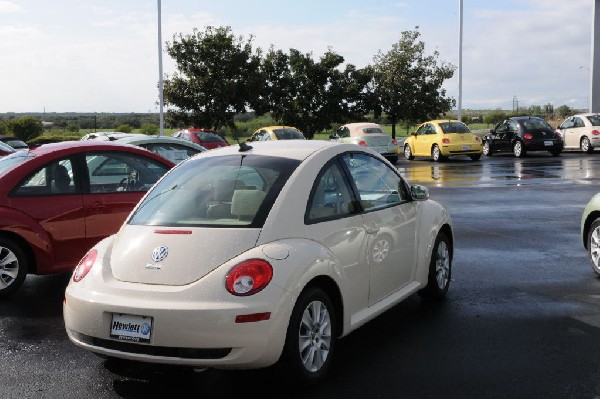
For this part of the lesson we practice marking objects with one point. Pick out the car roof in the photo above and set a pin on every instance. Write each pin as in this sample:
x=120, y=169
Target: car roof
x=281, y=148
x=145, y=139
x=278, y=127
x=438, y=121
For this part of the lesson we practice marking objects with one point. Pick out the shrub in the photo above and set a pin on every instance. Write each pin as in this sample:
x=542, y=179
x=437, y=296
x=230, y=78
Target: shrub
x=149, y=128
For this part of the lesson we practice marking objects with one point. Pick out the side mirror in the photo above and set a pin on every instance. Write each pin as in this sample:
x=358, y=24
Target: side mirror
x=332, y=137
x=414, y=134
x=492, y=130
x=419, y=193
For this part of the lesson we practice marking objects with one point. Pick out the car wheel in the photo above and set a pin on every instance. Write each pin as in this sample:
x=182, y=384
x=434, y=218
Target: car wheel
x=487, y=149
x=593, y=245
x=393, y=159
x=436, y=154
x=586, y=146
x=13, y=266
x=518, y=149
x=408, y=153
x=310, y=339
x=475, y=157
x=440, y=269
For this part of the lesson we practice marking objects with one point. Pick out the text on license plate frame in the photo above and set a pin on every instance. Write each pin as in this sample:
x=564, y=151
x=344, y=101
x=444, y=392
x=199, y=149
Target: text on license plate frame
x=133, y=328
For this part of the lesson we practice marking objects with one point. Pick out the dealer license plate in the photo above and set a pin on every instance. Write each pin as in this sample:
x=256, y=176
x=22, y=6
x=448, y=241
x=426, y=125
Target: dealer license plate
x=548, y=143
x=466, y=148
x=132, y=328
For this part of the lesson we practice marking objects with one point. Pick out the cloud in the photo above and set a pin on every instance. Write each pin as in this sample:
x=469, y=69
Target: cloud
x=9, y=7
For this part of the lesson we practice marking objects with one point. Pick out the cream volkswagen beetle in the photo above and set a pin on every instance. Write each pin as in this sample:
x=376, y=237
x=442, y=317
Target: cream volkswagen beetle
x=260, y=254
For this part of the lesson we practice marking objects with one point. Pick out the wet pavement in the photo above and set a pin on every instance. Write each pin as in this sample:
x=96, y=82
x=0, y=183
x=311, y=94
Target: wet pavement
x=522, y=319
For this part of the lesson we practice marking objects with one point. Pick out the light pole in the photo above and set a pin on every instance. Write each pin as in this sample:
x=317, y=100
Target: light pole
x=587, y=105
x=160, y=73
x=460, y=39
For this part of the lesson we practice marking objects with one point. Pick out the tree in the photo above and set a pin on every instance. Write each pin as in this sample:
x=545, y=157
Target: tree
x=26, y=128
x=494, y=117
x=216, y=77
x=563, y=111
x=408, y=83
x=307, y=94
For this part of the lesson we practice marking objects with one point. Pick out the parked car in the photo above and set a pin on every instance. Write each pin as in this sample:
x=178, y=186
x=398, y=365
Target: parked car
x=207, y=138
x=172, y=148
x=590, y=231
x=14, y=142
x=520, y=134
x=248, y=255
x=440, y=139
x=58, y=200
x=368, y=135
x=277, y=133
x=581, y=131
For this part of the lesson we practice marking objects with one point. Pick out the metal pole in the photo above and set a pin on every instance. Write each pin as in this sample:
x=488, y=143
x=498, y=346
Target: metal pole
x=160, y=73
x=460, y=39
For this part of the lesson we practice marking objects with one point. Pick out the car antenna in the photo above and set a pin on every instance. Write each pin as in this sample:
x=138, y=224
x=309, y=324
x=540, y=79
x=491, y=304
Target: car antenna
x=243, y=145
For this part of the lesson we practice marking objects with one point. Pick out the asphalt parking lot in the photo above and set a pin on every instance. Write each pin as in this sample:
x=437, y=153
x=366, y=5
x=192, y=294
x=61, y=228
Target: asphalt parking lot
x=522, y=319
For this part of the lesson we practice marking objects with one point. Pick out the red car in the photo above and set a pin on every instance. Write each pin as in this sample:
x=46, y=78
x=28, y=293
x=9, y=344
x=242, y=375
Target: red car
x=58, y=200
x=205, y=137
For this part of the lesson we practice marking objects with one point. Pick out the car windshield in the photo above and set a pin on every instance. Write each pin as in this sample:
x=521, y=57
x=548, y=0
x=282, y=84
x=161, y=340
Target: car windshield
x=535, y=124
x=287, y=134
x=209, y=137
x=17, y=158
x=17, y=144
x=594, y=120
x=224, y=191
x=454, y=127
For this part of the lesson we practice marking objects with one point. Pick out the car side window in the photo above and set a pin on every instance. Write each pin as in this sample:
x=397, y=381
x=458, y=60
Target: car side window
x=113, y=172
x=421, y=130
x=172, y=151
x=567, y=124
x=344, y=132
x=577, y=122
x=513, y=126
x=331, y=196
x=55, y=178
x=377, y=184
x=502, y=127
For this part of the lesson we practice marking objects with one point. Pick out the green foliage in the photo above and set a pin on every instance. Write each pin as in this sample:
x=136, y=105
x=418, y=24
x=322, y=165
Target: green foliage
x=563, y=111
x=217, y=76
x=494, y=117
x=149, y=128
x=125, y=128
x=72, y=127
x=3, y=127
x=408, y=83
x=26, y=128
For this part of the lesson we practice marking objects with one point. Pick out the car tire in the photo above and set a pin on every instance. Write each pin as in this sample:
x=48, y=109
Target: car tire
x=518, y=149
x=311, y=338
x=475, y=157
x=393, y=159
x=487, y=149
x=440, y=269
x=436, y=154
x=585, y=145
x=13, y=266
x=408, y=153
x=593, y=246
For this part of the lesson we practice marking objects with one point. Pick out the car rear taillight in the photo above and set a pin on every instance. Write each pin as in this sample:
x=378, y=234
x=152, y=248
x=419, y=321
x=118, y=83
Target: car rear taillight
x=248, y=277
x=478, y=139
x=84, y=265
x=595, y=132
x=445, y=140
x=558, y=134
x=363, y=143
x=528, y=136
x=394, y=142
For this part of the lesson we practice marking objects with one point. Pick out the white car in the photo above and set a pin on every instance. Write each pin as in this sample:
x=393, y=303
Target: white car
x=581, y=131
x=259, y=253
x=368, y=135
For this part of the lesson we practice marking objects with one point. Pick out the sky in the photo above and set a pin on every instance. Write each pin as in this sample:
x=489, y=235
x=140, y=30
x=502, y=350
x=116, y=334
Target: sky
x=103, y=55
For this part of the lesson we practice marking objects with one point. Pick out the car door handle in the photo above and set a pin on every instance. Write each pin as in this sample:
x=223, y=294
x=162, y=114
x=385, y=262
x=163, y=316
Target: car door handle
x=372, y=228
x=97, y=206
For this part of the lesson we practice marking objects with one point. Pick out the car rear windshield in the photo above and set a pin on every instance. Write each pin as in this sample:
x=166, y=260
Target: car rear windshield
x=454, y=127
x=224, y=191
x=287, y=134
x=209, y=137
x=594, y=120
x=372, y=130
x=10, y=161
x=535, y=124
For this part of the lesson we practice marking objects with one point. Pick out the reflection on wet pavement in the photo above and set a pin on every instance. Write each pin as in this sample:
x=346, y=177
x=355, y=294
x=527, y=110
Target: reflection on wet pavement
x=504, y=171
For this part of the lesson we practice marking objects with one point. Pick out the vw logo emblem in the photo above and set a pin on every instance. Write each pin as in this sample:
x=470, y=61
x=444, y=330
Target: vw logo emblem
x=160, y=253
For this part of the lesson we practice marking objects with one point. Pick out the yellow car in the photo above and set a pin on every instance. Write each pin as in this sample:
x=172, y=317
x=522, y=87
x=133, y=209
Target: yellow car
x=440, y=139
x=277, y=133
